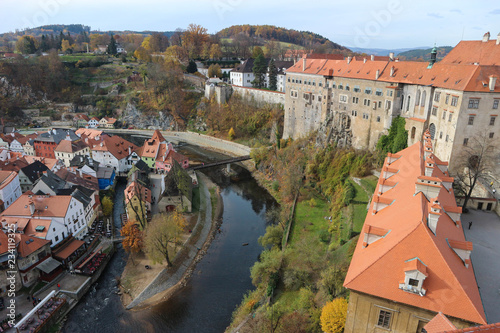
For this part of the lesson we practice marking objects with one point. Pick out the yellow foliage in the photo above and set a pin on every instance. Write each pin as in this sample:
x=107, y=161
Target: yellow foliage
x=231, y=134
x=333, y=316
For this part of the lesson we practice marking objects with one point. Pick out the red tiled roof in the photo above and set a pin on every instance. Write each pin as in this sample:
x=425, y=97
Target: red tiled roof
x=377, y=269
x=131, y=190
x=57, y=206
x=474, y=51
x=439, y=324
x=29, y=244
x=117, y=146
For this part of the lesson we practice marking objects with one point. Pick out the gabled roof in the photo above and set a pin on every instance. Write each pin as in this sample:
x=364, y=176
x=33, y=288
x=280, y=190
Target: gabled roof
x=6, y=177
x=469, y=52
x=26, y=245
x=88, y=181
x=379, y=268
x=48, y=162
x=34, y=170
x=72, y=147
x=45, y=206
x=13, y=164
x=56, y=135
x=135, y=188
x=245, y=67
x=116, y=146
x=439, y=324
x=91, y=133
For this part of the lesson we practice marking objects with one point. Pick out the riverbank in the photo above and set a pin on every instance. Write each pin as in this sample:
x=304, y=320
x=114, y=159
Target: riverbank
x=159, y=286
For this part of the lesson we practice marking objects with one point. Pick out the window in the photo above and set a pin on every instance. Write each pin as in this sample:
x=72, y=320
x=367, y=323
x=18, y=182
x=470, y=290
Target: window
x=379, y=92
x=413, y=282
x=495, y=104
x=379, y=104
x=471, y=120
x=466, y=141
x=366, y=102
x=357, y=89
x=378, y=119
x=440, y=135
x=447, y=99
x=491, y=135
x=365, y=116
x=454, y=101
x=389, y=92
x=368, y=90
x=444, y=115
x=437, y=96
x=355, y=100
x=447, y=136
x=343, y=98
x=435, y=111
x=384, y=319
x=450, y=117
x=347, y=87
x=57, y=238
x=354, y=113
x=417, y=99
x=341, y=87
x=473, y=103
x=492, y=120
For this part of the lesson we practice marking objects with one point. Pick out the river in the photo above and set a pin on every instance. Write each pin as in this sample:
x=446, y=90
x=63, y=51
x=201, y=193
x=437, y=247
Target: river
x=218, y=283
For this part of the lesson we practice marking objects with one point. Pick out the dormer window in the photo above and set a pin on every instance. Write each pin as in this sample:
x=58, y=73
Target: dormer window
x=415, y=273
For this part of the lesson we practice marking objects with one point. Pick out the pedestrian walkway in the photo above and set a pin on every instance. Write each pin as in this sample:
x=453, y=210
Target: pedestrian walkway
x=484, y=234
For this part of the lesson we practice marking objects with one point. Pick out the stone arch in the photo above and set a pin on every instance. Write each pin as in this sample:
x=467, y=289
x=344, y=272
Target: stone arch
x=413, y=131
x=417, y=99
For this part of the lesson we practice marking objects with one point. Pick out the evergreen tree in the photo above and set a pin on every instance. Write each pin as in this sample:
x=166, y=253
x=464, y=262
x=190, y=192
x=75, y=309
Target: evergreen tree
x=259, y=71
x=273, y=75
x=59, y=40
x=44, y=44
x=192, y=68
x=112, y=46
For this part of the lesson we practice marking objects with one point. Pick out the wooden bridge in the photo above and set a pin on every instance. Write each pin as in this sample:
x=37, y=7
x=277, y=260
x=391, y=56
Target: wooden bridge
x=228, y=161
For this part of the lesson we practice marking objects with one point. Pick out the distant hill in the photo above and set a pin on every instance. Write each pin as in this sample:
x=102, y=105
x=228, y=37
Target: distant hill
x=272, y=33
x=384, y=52
x=424, y=54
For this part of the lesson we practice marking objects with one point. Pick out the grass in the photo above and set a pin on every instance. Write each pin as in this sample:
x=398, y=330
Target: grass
x=196, y=199
x=370, y=183
x=309, y=221
x=359, y=207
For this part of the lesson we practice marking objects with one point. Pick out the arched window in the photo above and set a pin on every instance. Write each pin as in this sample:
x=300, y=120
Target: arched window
x=408, y=104
x=417, y=99
x=413, y=130
x=423, y=99
x=432, y=129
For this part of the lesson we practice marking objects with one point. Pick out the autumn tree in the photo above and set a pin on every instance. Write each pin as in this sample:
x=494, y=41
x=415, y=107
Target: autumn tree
x=176, y=52
x=163, y=236
x=191, y=68
x=231, y=134
x=142, y=54
x=65, y=46
x=133, y=241
x=257, y=50
x=107, y=206
x=158, y=42
x=215, y=51
x=214, y=70
x=476, y=161
x=273, y=75
x=333, y=316
x=26, y=45
x=259, y=70
x=193, y=40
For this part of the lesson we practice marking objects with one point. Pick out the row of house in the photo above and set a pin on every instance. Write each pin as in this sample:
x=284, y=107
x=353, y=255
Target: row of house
x=82, y=120
x=243, y=75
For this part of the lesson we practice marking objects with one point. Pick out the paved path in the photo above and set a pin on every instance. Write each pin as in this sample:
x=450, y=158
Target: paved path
x=484, y=235
x=169, y=277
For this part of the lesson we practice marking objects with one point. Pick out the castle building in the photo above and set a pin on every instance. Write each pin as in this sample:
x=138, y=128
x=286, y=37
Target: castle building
x=412, y=261
x=356, y=98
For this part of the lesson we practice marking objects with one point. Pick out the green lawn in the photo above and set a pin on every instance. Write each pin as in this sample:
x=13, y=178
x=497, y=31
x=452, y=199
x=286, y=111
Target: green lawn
x=359, y=207
x=310, y=221
x=370, y=183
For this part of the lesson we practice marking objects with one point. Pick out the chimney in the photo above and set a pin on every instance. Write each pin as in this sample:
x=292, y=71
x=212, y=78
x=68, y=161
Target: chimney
x=129, y=150
x=372, y=57
x=349, y=60
x=498, y=39
x=391, y=56
x=304, y=64
x=392, y=71
x=364, y=60
x=32, y=207
x=377, y=74
x=486, y=37
x=493, y=80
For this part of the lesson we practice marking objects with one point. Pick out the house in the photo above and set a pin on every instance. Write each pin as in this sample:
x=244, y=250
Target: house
x=113, y=152
x=64, y=212
x=14, y=163
x=107, y=122
x=31, y=251
x=45, y=143
x=66, y=150
x=51, y=163
x=151, y=147
x=158, y=154
x=243, y=75
x=412, y=260
x=281, y=67
x=29, y=147
x=164, y=160
x=137, y=201
x=50, y=183
x=178, y=194
x=80, y=120
x=78, y=178
x=93, y=122
x=106, y=177
x=30, y=174
x=10, y=188
x=85, y=164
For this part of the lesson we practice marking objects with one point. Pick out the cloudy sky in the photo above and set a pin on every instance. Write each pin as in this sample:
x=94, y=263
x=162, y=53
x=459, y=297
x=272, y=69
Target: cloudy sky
x=389, y=24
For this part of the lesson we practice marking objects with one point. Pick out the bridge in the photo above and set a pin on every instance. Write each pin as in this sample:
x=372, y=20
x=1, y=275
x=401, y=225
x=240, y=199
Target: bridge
x=228, y=162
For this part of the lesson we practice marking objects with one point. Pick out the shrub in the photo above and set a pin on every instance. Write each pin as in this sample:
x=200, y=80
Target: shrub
x=333, y=316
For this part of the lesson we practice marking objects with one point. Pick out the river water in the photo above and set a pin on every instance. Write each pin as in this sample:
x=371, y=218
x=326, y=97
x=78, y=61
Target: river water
x=218, y=283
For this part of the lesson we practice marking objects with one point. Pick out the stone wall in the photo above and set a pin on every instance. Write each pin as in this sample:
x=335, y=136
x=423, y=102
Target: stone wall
x=260, y=96
x=202, y=140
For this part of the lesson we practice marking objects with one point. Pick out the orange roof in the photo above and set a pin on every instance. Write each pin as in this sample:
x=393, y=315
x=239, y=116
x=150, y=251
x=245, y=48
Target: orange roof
x=68, y=249
x=462, y=245
x=378, y=269
x=173, y=155
x=474, y=51
x=45, y=205
x=30, y=229
x=416, y=265
x=89, y=132
x=491, y=328
x=6, y=177
x=439, y=324
x=117, y=146
x=49, y=162
x=66, y=146
x=374, y=230
x=29, y=244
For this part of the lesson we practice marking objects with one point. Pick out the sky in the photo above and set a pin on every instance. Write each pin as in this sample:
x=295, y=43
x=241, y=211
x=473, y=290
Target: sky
x=386, y=24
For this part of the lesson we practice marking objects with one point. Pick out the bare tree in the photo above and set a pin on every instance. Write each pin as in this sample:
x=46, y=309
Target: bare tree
x=476, y=162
